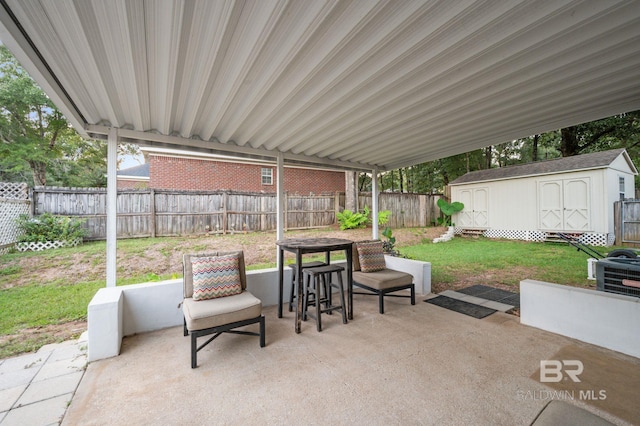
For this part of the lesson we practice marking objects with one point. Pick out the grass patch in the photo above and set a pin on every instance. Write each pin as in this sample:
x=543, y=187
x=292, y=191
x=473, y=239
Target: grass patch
x=40, y=305
x=29, y=311
x=10, y=270
x=19, y=344
x=469, y=257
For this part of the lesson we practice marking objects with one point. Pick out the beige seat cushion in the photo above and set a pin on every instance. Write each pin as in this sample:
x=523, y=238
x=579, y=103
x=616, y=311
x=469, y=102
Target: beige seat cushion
x=382, y=280
x=203, y=314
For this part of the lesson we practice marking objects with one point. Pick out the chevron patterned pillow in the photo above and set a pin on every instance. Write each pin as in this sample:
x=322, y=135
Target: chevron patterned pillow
x=371, y=256
x=216, y=276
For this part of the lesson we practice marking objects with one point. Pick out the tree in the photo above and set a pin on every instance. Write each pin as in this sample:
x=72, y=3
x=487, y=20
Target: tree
x=618, y=131
x=37, y=142
x=31, y=127
x=507, y=154
x=83, y=164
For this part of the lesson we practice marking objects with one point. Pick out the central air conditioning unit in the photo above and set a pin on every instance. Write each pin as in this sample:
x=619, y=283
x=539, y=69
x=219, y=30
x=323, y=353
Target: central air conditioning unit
x=618, y=275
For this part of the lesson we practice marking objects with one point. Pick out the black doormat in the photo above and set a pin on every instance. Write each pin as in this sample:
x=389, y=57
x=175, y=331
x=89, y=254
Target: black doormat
x=493, y=294
x=461, y=306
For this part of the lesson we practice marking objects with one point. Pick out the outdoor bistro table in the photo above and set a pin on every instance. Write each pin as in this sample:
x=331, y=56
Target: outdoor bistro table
x=301, y=246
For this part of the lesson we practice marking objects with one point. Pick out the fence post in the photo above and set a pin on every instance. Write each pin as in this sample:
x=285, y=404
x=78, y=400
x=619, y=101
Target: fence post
x=263, y=218
x=286, y=210
x=33, y=202
x=152, y=212
x=618, y=221
x=224, y=213
x=336, y=206
x=423, y=209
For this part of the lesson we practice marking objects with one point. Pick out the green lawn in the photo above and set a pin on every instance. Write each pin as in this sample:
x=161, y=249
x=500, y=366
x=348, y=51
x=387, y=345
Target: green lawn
x=506, y=262
x=48, y=293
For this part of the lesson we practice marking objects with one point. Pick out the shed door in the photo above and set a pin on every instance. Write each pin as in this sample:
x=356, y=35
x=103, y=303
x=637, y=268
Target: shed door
x=476, y=210
x=576, y=204
x=480, y=207
x=564, y=205
x=550, y=201
x=465, y=217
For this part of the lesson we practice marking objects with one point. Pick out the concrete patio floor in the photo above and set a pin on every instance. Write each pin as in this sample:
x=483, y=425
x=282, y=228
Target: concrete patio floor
x=417, y=364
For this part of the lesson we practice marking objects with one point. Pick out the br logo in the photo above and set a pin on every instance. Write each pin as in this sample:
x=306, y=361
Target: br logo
x=553, y=371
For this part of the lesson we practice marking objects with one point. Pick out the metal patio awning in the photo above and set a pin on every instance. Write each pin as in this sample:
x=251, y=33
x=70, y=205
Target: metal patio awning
x=364, y=84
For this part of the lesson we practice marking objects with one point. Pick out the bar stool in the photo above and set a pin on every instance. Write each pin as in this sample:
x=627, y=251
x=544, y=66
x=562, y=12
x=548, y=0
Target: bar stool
x=318, y=281
x=294, y=277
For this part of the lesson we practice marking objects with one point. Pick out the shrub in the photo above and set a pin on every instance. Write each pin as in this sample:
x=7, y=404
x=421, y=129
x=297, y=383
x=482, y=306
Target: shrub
x=48, y=227
x=383, y=217
x=350, y=220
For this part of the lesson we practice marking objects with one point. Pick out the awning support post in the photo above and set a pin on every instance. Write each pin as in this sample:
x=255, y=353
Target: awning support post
x=112, y=198
x=374, y=204
x=279, y=199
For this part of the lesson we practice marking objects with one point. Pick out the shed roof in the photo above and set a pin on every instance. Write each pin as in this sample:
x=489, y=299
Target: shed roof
x=596, y=160
x=367, y=84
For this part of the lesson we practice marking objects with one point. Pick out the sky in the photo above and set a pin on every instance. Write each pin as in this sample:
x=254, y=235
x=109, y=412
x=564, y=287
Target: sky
x=130, y=161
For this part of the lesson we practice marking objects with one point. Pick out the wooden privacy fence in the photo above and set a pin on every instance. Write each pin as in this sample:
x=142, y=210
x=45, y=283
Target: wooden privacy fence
x=627, y=222
x=150, y=213
x=144, y=213
x=407, y=210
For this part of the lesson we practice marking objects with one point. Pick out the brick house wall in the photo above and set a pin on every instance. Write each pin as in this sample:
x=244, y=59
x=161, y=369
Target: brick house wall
x=182, y=173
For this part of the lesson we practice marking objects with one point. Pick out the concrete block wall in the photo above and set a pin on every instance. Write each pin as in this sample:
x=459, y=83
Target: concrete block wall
x=105, y=323
x=604, y=319
x=116, y=312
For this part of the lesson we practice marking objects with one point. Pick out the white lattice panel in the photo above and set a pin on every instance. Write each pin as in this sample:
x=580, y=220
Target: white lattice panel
x=540, y=236
x=510, y=234
x=14, y=191
x=10, y=210
x=597, y=239
x=47, y=245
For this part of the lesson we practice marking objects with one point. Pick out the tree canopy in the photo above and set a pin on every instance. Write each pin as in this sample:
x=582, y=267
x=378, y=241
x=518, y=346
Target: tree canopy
x=37, y=143
x=619, y=131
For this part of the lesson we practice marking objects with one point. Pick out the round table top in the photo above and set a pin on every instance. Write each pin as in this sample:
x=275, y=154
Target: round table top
x=309, y=243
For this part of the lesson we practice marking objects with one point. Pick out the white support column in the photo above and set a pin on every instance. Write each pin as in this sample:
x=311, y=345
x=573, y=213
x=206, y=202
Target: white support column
x=112, y=195
x=280, y=198
x=374, y=204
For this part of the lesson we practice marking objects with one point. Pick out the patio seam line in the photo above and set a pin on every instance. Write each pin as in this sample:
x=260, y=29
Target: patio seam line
x=41, y=400
x=63, y=356
x=26, y=385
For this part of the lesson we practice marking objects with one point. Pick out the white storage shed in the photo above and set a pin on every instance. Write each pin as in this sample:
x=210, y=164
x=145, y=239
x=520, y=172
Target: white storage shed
x=533, y=201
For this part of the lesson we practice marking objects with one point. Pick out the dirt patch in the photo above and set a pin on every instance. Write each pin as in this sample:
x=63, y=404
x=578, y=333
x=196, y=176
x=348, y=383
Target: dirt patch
x=163, y=258
x=494, y=278
x=32, y=339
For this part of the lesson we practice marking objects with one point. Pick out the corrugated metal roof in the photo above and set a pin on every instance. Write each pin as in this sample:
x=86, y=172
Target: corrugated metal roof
x=596, y=160
x=367, y=83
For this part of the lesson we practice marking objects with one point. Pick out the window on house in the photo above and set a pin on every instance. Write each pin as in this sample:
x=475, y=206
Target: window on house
x=621, y=187
x=267, y=176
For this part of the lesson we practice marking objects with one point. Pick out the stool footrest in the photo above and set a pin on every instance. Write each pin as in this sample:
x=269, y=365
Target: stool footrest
x=318, y=280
